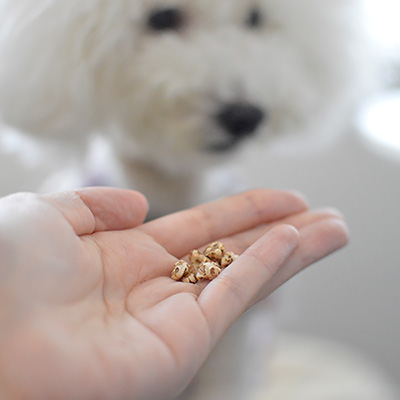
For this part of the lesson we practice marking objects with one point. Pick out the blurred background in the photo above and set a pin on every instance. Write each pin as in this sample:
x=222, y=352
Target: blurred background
x=352, y=298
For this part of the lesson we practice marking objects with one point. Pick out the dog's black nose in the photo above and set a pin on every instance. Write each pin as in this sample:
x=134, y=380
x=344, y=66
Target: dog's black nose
x=240, y=119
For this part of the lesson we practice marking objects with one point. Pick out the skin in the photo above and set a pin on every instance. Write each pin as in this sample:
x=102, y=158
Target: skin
x=87, y=307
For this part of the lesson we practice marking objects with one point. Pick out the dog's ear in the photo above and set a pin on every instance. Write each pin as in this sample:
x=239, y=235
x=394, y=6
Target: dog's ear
x=57, y=61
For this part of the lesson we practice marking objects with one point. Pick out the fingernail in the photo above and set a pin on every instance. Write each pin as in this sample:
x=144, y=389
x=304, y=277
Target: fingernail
x=292, y=235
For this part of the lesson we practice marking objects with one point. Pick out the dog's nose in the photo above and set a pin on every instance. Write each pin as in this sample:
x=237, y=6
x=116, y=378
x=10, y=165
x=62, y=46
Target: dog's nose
x=240, y=119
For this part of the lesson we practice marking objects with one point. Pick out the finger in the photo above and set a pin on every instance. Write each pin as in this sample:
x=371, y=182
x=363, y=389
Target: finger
x=91, y=210
x=308, y=217
x=317, y=241
x=228, y=296
x=240, y=242
x=181, y=232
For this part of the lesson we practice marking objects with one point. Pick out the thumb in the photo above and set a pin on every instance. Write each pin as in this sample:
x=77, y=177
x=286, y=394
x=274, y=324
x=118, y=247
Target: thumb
x=92, y=210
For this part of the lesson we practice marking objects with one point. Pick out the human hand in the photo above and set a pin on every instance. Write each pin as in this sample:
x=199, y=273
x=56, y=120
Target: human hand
x=88, y=310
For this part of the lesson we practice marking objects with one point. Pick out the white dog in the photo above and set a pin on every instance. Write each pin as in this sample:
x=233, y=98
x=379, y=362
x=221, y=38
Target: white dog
x=177, y=86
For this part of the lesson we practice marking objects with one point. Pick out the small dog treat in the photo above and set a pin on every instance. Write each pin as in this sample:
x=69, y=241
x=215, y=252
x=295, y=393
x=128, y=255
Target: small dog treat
x=228, y=258
x=215, y=251
x=200, y=271
x=180, y=270
x=212, y=270
x=208, y=270
x=200, y=275
x=207, y=265
x=189, y=279
x=197, y=258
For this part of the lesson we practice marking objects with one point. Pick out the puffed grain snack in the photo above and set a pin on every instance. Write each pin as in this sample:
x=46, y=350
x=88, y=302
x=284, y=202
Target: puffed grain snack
x=180, y=270
x=228, y=258
x=215, y=251
x=207, y=265
x=212, y=270
x=197, y=258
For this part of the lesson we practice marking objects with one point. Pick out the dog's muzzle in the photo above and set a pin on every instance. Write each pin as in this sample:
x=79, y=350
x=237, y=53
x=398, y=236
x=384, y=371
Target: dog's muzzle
x=239, y=121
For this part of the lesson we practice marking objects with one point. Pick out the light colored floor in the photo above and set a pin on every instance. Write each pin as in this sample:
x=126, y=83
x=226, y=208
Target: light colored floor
x=305, y=367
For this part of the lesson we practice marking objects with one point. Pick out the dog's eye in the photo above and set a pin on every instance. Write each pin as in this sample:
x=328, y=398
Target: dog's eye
x=255, y=18
x=165, y=19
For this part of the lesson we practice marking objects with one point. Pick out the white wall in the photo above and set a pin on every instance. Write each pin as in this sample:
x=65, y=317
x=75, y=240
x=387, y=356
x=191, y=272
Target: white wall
x=352, y=296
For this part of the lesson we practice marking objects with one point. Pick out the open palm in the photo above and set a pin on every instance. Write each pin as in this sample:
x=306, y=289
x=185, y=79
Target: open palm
x=88, y=309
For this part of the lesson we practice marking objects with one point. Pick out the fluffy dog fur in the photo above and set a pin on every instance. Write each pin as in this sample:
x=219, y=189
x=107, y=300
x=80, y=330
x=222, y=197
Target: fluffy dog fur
x=73, y=68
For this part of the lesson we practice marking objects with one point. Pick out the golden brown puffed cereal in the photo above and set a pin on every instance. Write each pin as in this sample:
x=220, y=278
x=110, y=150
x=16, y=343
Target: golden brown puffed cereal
x=180, y=270
x=228, y=258
x=207, y=265
x=215, y=251
x=200, y=275
x=212, y=270
x=189, y=279
x=197, y=258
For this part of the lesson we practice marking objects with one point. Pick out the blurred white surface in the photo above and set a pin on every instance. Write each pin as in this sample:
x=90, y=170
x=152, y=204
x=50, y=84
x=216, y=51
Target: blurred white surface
x=18, y=172
x=379, y=122
x=315, y=369
x=382, y=17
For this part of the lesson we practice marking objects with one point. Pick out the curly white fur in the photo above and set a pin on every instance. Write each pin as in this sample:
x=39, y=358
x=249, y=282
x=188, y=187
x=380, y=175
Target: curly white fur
x=71, y=68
